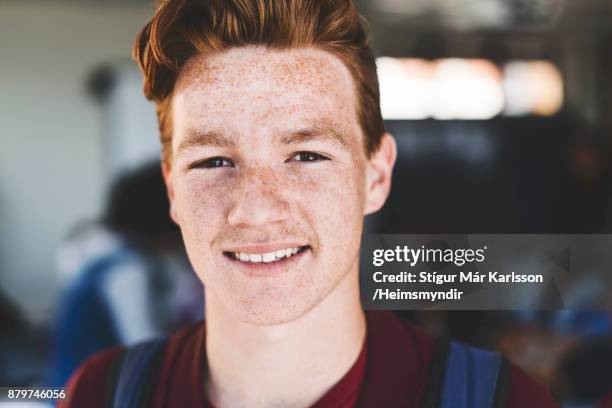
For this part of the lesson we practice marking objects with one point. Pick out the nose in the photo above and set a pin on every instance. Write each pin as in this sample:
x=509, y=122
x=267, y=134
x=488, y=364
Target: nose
x=259, y=200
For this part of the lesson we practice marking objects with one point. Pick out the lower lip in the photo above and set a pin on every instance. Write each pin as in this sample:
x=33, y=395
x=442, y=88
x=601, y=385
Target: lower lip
x=268, y=268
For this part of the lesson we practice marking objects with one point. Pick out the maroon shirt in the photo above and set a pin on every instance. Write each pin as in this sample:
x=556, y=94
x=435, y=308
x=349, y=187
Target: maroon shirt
x=391, y=371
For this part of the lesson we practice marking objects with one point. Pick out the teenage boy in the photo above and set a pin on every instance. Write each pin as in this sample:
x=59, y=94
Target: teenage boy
x=274, y=150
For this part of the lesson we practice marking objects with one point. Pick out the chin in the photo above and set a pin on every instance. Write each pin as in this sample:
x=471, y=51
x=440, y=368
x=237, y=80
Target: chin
x=273, y=309
x=267, y=314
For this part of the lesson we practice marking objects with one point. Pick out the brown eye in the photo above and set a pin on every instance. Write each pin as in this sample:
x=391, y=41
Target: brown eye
x=308, y=157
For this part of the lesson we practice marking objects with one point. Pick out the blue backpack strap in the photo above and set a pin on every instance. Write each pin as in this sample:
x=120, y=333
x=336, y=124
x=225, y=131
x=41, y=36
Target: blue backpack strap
x=471, y=378
x=134, y=373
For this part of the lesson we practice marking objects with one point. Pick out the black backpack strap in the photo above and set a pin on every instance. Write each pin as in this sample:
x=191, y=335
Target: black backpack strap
x=134, y=373
x=466, y=377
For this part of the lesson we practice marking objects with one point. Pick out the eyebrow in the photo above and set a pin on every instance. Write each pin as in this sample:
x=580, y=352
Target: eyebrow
x=218, y=139
x=212, y=138
x=312, y=134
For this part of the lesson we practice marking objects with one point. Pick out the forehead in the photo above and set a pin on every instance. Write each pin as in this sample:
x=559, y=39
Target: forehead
x=259, y=87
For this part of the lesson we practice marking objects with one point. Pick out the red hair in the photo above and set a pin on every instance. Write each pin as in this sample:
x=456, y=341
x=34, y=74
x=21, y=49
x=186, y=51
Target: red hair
x=181, y=29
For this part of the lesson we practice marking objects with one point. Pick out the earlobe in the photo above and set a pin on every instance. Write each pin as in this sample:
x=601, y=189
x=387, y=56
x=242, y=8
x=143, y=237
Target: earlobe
x=167, y=173
x=379, y=171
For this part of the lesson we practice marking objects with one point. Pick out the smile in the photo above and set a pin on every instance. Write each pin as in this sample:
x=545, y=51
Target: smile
x=265, y=257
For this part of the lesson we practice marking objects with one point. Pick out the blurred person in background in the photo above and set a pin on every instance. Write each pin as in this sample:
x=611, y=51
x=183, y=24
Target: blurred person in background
x=127, y=277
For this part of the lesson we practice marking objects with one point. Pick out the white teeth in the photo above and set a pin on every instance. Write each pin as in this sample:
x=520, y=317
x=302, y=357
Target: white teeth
x=266, y=257
x=269, y=256
x=255, y=258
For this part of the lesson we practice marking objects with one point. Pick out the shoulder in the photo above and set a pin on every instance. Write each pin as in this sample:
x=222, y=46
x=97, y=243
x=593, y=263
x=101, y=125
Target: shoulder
x=87, y=386
x=92, y=384
x=401, y=350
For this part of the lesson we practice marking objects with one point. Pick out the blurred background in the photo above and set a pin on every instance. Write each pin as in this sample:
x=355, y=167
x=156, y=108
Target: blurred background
x=502, y=110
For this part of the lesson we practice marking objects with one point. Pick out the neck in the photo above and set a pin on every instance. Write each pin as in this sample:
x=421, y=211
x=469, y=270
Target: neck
x=292, y=364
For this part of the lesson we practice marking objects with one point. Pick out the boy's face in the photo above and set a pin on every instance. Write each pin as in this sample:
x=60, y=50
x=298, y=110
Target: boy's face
x=268, y=159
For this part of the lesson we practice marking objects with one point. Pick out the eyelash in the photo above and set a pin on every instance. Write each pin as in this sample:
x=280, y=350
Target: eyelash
x=218, y=161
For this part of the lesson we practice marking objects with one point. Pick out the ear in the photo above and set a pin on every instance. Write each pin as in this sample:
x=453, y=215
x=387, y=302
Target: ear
x=378, y=174
x=167, y=173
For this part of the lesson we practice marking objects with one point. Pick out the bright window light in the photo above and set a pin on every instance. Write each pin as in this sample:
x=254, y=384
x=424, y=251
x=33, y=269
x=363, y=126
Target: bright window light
x=467, y=88
x=404, y=87
x=532, y=87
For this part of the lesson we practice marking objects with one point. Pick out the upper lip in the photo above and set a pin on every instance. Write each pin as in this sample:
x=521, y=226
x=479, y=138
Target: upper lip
x=263, y=248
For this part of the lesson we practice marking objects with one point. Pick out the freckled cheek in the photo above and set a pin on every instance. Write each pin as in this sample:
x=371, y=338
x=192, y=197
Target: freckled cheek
x=332, y=202
x=201, y=200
